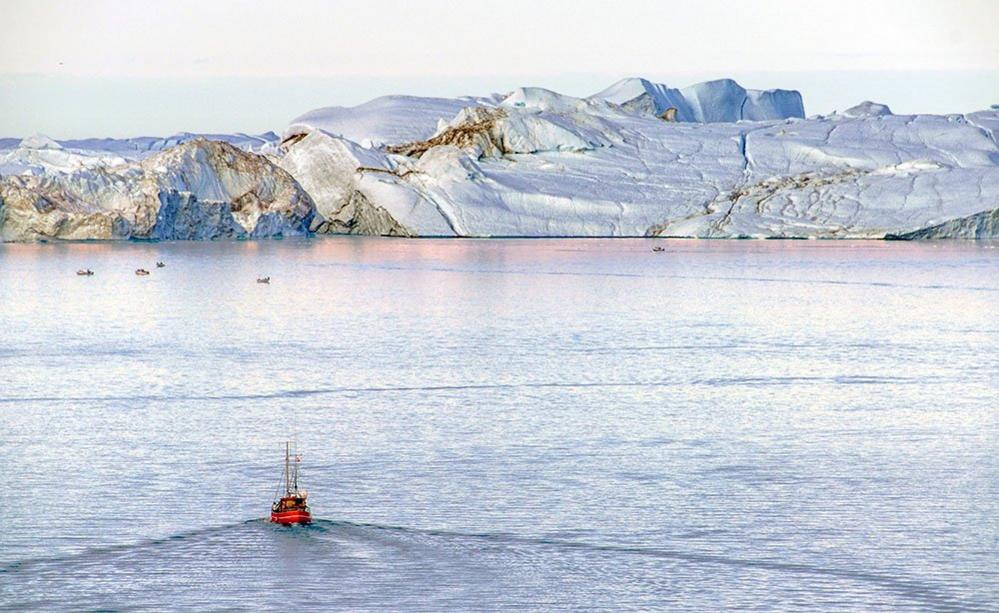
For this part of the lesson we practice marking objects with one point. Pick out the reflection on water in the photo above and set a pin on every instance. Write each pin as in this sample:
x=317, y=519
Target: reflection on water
x=492, y=424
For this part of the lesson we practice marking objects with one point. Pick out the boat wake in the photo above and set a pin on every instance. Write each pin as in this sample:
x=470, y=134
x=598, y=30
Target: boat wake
x=366, y=550
x=917, y=589
x=124, y=548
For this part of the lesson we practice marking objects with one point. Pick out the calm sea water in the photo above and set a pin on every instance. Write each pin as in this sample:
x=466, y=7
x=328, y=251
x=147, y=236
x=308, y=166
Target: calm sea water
x=539, y=424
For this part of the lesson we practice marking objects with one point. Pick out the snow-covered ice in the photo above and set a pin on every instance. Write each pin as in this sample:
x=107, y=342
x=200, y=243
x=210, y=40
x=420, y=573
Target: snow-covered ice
x=727, y=162
x=539, y=163
x=385, y=120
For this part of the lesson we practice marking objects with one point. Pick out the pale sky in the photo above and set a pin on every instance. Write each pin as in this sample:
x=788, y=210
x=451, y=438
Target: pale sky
x=116, y=68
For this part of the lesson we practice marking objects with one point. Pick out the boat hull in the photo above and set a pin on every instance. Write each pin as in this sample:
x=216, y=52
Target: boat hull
x=288, y=518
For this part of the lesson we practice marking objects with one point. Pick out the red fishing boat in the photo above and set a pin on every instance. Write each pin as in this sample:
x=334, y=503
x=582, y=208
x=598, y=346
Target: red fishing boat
x=293, y=506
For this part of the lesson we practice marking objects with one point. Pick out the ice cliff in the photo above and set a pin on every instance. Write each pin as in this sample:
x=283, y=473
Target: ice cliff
x=977, y=226
x=636, y=159
x=718, y=101
x=200, y=189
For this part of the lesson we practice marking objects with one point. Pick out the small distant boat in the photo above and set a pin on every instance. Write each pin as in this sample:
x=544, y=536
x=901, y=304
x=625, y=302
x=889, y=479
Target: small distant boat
x=659, y=249
x=84, y=272
x=263, y=280
x=293, y=506
x=160, y=265
x=141, y=272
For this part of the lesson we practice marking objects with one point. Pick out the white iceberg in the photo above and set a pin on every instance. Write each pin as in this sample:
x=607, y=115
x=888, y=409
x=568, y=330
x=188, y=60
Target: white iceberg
x=540, y=163
x=724, y=162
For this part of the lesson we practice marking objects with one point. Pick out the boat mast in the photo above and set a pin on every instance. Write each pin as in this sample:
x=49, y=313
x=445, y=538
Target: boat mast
x=287, y=472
